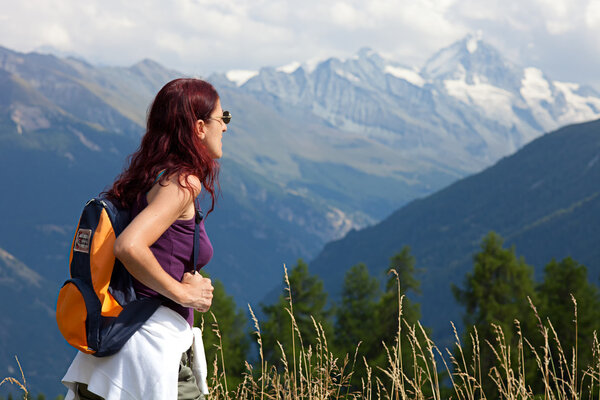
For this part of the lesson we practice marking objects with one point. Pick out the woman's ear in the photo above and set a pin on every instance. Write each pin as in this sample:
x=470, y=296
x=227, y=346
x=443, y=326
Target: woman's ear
x=200, y=129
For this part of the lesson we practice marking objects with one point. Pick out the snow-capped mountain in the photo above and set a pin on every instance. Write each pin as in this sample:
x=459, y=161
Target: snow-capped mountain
x=476, y=74
x=464, y=109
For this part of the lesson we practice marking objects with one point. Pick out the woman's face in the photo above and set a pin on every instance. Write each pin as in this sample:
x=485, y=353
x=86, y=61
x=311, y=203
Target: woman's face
x=211, y=131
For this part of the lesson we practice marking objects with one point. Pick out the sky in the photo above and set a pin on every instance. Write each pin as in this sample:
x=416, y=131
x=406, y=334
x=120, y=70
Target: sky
x=199, y=37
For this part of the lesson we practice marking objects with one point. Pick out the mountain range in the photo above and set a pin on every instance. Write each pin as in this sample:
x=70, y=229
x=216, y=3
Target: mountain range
x=464, y=109
x=312, y=154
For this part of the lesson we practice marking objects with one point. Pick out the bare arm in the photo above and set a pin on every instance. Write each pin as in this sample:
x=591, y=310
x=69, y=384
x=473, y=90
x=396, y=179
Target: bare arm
x=165, y=205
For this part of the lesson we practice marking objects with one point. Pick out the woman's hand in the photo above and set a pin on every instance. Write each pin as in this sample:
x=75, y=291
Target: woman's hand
x=199, y=291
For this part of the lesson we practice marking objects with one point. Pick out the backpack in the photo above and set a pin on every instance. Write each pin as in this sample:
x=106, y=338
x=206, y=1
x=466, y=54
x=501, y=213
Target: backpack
x=97, y=309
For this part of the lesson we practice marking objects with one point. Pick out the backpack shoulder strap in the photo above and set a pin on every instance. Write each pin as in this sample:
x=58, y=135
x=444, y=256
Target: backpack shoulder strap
x=198, y=218
x=119, y=216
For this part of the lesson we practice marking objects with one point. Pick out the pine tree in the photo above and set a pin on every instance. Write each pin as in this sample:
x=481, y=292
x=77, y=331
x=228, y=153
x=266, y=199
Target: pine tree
x=496, y=292
x=398, y=287
x=561, y=280
x=356, y=316
x=309, y=302
x=231, y=324
x=403, y=263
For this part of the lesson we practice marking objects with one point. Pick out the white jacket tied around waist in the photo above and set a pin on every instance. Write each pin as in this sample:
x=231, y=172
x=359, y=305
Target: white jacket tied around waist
x=147, y=367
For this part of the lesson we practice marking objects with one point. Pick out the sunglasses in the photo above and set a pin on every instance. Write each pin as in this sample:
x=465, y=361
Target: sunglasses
x=226, y=118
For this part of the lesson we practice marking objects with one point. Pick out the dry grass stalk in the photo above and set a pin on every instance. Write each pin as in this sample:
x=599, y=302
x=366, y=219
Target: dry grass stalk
x=20, y=384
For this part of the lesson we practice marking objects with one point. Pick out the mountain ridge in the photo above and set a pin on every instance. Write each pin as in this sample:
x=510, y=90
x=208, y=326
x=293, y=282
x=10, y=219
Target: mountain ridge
x=476, y=75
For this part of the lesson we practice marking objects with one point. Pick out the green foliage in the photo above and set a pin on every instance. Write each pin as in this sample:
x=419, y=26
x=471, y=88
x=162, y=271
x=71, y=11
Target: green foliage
x=356, y=316
x=574, y=330
x=496, y=292
x=368, y=316
x=356, y=319
x=403, y=263
x=400, y=282
x=224, y=333
x=498, y=287
x=309, y=302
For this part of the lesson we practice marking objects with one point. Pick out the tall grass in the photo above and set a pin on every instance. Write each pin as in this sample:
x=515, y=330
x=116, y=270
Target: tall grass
x=315, y=373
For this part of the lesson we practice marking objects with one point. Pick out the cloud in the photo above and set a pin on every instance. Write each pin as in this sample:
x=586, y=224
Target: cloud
x=228, y=34
x=56, y=35
x=592, y=15
x=562, y=16
x=204, y=36
x=347, y=16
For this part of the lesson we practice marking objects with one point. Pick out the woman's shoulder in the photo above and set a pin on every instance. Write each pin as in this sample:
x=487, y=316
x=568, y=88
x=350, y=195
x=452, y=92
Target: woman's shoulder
x=191, y=181
x=175, y=192
x=178, y=183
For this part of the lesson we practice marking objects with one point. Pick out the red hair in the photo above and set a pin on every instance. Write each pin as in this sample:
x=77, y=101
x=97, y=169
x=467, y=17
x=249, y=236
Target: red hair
x=170, y=143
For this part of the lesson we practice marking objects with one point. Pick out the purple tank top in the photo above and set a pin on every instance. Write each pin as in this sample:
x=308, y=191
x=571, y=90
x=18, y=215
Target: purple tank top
x=174, y=251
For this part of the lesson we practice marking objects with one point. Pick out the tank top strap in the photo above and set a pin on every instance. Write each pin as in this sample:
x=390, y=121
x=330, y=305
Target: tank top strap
x=158, y=176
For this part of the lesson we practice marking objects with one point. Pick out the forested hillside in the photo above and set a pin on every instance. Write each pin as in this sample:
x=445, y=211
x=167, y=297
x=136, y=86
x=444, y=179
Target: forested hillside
x=544, y=200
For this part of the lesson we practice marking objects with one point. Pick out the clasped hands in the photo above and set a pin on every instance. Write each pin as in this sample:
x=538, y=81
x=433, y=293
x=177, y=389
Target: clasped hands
x=199, y=291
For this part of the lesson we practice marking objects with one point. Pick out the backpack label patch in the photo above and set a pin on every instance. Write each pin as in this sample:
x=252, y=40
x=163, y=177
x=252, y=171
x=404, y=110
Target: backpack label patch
x=82, y=240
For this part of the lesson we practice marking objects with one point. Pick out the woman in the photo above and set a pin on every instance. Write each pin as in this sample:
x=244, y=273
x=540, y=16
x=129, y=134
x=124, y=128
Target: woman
x=176, y=158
